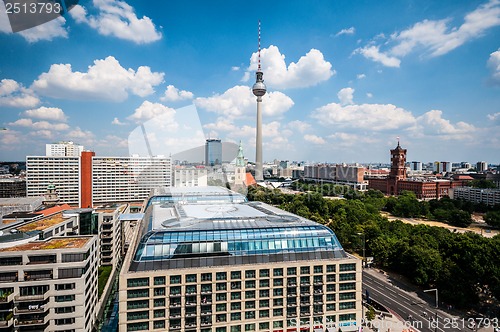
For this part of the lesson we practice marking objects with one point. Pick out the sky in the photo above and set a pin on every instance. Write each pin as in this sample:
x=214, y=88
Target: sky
x=344, y=79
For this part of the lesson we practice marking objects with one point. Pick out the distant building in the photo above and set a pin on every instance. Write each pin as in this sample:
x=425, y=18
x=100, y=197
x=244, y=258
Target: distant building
x=189, y=176
x=416, y=166
x=423, y=187
x=481, y=166
x=465, y=164
x=343, y=174
x=89, y=180
x=213, y=152
x=12, y=187
x=63, y=149
x=476, y=195
x=442, y=166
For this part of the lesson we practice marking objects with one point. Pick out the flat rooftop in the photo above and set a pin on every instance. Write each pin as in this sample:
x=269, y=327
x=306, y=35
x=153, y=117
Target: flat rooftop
x=43, y=224
x=53, y=243
x=213, y=225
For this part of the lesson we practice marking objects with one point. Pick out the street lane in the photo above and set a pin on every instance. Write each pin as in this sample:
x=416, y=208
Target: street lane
x=404, y=304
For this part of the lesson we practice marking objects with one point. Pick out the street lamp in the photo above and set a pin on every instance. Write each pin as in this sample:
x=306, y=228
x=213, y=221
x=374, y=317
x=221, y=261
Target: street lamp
x=437, y=304
x=364, y=244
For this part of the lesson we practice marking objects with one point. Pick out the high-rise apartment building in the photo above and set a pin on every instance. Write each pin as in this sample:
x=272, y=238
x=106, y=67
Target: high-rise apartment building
x=63, y=149
x=213, y=152
x=48, y=275
x=206, y=259
x=90, y=179
x=481, y=166
x=189, y=176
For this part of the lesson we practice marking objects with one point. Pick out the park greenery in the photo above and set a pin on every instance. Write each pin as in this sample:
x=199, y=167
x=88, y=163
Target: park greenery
x=463, y=266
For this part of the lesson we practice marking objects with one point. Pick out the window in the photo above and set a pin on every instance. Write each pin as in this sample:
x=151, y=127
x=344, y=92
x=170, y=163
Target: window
x=250, y=305
x=221, y=286
x=136, y=315
x=347, y=296
x=206, y=277
x=277, y=312
x=264, y=283
x=221, y=318
x=278, y=302
x=159, y=291
x=278, y=323
x=175, y=279
x=346, y=317
x=159, y=302
x=249, y=274
x=278, y=292
x=221, y=276
x=263, y=313
x=249, y=314
x=159, y=281
x=278, y=272
x=250, y=284
x=71, y=273
x=64, y=298
x=159, y=324
x=236, y=275
x=250, y=327
x=64, y=310
x=250, y=295
x=264, y=273
x=176, y=290
x=330, y=297
x=347, y=276
x=159, y=313
x=235, y=295
x=330, y=268
x=236, y=316
x=330, y=306
x=221, y=329
x=220, y=307
x=330, y=277
x=236, y=328
x=141, y=304
x=221, y=297
x=304, y=270
x=347, y=267
x=278, y=282
x=291, y=271
x=191, y=278
x=318, y=269
x=330, y=288
x=264, y=303
x=264, y=293
x=65, y=321
x=61, y=287
x=347, y=286
x=235, y=305
x=347, y=305
x=263, y=326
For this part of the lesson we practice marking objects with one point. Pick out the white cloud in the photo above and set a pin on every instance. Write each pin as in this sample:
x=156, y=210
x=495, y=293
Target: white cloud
x=310, y=70
x=494, y=65
x=349, y=31
x=433, y=124
x=174, y=94
x=235, y=68
x=299, y=126
x=314, y=139
x=118, y=19
x=46, y=113
x=222, y=124
x=369, y=95
x=343, y=139
x=239, y=101
x=373, y=53
x=360, y=76
x=494, y=116
x=47, y=31
x=84, y=137
x=117, y=122
x=105, y=80
x=435, y=37
x=45, y=125
x=149, y=110
x=13, y=94
x=345, y=96
x=375, y=117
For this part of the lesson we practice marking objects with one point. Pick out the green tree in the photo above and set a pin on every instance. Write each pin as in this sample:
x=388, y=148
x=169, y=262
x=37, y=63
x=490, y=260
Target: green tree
x=483, y=184
x=492, y=218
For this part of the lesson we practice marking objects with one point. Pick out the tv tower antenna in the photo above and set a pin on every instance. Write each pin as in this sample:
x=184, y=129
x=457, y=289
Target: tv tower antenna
x=259, y=89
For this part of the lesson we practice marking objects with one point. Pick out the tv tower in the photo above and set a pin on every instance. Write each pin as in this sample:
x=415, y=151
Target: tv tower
x=259, y=89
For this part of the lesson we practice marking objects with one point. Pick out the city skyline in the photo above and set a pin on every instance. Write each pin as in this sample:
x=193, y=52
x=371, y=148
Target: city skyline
x=344, y=80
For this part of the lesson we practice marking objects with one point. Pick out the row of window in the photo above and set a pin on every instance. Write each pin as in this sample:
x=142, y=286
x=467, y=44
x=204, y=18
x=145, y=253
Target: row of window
x=249, y=274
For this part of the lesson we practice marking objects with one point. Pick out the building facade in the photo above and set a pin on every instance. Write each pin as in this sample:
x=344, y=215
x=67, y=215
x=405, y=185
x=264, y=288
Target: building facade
x=63, y=149
x=489, y=197
x=189, y=176
x=89, y=179
x=352, y=175
x=208, y=260
x=12, y=187
x=213, y=152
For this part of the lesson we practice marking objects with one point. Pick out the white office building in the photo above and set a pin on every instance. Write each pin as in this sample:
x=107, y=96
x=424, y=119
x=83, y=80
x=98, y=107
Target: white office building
x=63, y=149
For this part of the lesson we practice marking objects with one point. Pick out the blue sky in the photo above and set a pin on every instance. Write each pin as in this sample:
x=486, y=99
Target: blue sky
x=344, y=78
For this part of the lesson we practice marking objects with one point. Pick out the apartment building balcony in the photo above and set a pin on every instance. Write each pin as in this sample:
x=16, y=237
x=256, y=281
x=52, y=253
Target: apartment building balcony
x=31, y=321
x=175, y=328
x=26, y=298
x=7, y=298
x=31, y=309
x=7, y=323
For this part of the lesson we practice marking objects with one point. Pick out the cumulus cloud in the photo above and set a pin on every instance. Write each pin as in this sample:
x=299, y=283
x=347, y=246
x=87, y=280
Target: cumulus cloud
x=349, y=31
x=117, y=122
x=494, y=116
x=345, y=96
x=366, y=116
x=47, y=31
x=105, y=80
x=46, y=113
x=13, y=94
x=314, y=139
x=41, y=125
x=433, y=124
x=118, y=19
x=343, y=139
x=435, y=37
x=149, y=110
x=360, y=76
x=494, y=65
x=239, y=101
x=174, y=94
x=299, y=126
x=373, y=53
x=310, y=70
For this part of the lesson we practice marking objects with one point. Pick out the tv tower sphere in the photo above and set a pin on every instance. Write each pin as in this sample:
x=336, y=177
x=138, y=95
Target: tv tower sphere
x=259, y=88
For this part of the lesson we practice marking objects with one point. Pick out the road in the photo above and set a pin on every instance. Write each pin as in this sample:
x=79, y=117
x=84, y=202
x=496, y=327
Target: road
x=403, y=303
